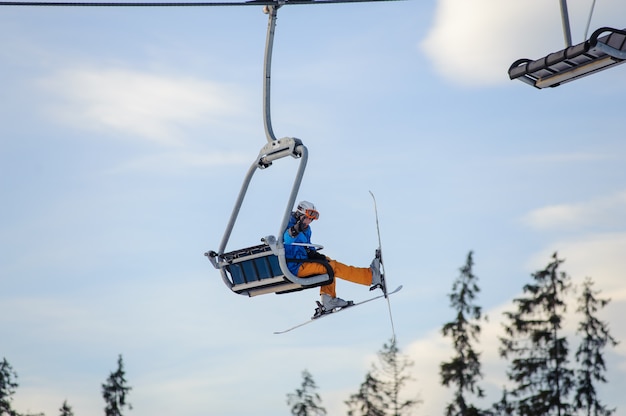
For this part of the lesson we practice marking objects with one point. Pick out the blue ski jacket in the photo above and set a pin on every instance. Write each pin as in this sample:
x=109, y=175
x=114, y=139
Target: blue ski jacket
x=296, y=252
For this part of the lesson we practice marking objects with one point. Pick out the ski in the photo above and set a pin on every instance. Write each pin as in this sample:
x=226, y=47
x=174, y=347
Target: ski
x=334, y=311
x=379, y=254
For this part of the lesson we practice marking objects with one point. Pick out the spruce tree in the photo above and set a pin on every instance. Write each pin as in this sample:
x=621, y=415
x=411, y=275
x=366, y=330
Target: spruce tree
x=538, y=352
x=114, y=391
x=368, y=401
x=394, y=371
x=66, y=409
x=8, y=384
x=379, y=394
x=595, y=337
x=306, y=401
x=463, y=370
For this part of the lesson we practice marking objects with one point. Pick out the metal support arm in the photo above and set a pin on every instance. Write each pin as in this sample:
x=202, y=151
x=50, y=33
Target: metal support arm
x=272, y=11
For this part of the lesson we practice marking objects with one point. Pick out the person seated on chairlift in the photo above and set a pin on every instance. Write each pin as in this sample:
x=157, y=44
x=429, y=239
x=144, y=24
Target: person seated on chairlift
x=299, y=231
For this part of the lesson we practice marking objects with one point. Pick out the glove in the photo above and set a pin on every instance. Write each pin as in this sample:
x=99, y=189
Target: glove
x=297, y=228
x=314, y=255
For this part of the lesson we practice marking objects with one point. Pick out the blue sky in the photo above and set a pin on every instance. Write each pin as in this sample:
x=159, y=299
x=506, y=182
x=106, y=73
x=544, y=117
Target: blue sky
x=125, y=135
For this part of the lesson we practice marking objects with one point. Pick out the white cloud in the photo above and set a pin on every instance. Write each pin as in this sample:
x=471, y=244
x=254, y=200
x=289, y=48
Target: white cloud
x=600, y=256
x=601, y=212
x=473, y=42
x=149, y=106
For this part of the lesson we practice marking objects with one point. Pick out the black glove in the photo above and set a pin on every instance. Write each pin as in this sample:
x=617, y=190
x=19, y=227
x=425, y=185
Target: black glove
x=314, y=255
x=297, y=228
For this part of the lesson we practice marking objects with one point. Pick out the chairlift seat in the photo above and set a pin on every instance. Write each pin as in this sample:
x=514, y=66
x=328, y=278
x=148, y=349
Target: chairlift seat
x=593, y=55
x=256, y=271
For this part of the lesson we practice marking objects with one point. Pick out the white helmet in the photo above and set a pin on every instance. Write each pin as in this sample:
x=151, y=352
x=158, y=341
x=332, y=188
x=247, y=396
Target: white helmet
x=307, y=209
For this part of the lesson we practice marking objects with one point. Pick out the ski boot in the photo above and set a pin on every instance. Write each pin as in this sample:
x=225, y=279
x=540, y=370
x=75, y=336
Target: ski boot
x=329, y=304
x=378, y=279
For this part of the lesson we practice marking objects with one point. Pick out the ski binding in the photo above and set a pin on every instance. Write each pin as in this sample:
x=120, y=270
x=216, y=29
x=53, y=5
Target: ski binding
x=323, y=313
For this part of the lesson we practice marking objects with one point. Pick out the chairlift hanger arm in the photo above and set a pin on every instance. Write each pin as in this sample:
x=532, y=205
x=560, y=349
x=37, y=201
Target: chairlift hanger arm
x=269, y=46
x=567, y=32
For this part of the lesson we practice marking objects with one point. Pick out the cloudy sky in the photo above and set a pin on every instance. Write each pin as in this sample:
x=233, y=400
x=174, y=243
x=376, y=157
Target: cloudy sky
x=125, y=134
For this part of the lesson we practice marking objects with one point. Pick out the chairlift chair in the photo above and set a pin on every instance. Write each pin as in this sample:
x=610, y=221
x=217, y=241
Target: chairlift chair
x=605, y=48
x=593, y=55
x=262, y=269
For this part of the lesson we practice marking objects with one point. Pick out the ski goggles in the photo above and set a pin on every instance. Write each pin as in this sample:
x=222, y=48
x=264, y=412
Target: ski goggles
x=311, y=213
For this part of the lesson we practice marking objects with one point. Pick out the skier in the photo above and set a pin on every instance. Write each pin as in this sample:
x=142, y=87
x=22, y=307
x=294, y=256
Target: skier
x=299, y=231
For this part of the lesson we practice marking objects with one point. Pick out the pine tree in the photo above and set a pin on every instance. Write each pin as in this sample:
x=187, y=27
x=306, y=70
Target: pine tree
x=595, y=337
x=66, y=409
x=8, y=384
x=390, y=378
x=463, y=371
x=539, y=364
x=368, y=401
x=306, y=401
x=379, y=394
x=114, y=391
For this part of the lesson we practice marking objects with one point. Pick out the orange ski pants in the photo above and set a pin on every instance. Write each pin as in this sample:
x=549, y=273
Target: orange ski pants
x=360, y=275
